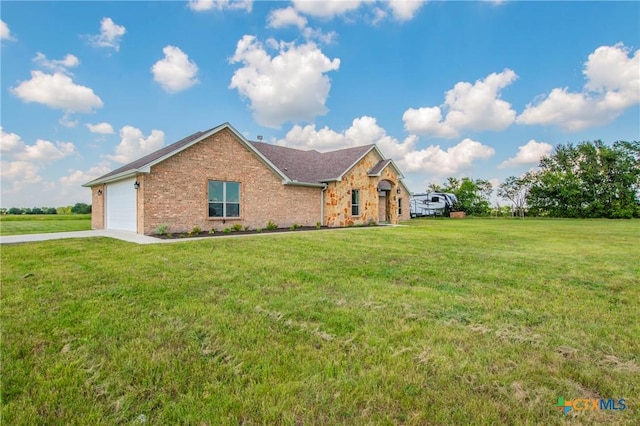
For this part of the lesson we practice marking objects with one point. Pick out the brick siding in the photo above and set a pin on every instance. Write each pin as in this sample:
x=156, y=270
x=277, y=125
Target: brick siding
x=175, y=193
x=97, y=207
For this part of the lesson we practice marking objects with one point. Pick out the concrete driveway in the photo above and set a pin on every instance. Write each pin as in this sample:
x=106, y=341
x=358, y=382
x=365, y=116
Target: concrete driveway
x=131, y=237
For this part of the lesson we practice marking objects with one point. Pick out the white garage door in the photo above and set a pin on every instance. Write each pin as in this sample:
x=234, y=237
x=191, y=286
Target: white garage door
x=121, y=205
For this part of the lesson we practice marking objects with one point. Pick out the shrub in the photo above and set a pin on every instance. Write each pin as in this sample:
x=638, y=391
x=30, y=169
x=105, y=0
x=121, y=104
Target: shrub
x=195, y=230
x=237, y=227
x=318, y=225
x=258, y=230
x=246, y=228
x=293, y=227
x=212, y=231
x=162, y=229
x=271, y=226
x=227, y=230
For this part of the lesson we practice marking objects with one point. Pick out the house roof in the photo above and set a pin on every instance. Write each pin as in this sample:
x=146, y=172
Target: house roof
x=378, y=168
x=141, y=162
x=294, y=166
x=312, y=166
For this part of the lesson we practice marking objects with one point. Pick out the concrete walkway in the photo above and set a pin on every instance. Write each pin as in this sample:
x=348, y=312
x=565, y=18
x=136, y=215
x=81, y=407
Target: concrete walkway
x=131, y=237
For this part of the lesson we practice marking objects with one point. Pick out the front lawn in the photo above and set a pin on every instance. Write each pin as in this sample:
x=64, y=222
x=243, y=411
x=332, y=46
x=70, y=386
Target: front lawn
x=439, y=322
x=42, y=224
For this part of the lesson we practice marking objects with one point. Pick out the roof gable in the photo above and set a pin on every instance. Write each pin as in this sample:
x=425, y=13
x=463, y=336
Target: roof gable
x=312, y=166
x=144, y=164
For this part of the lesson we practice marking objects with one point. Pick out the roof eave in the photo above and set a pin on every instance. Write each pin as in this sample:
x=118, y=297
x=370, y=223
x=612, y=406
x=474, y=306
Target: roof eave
x=113, y=178
x=392, y=163
x=307, y=184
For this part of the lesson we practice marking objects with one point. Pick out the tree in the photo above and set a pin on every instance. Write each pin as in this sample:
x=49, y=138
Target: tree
x=434, y=187
x=473, y=196
x=588, y=180
x=516, y=190
x=81, y=208
x=15, y=210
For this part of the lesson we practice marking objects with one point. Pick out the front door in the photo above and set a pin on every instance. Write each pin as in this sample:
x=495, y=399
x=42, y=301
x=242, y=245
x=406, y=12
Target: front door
x=383, y=206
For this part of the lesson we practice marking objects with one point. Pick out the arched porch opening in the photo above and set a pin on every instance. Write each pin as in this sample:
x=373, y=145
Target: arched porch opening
x=386, y=201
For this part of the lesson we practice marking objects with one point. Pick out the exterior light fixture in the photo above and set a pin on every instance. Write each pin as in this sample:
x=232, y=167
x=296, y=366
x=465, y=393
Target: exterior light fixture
x=136, y=185
x=99, y=192
x=398, y=191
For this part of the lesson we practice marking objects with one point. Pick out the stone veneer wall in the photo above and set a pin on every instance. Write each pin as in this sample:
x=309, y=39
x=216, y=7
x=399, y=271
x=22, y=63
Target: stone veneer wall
x=176, y=191
x=337, y=200
x=97, y=207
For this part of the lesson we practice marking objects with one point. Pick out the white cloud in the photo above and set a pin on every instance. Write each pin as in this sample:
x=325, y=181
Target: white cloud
x=175, y=72
x=438, y=162
x=363, y=131
x=134, y=145
x=5, y=32
x=43, y=151
x=280, y=18
x=317, y=34
x=110, y=35
x=326, y=8
x=400, y=10
x=66, y=121
x=290, y=86
x=10, y=142
x=58, y=65
x=77, y=178
x=19, y=173
x=469, y=107
x=528, y=154
x=612, y=85
x=57, y=91
x=204, y=5
x=405, y=10
x=101, y=128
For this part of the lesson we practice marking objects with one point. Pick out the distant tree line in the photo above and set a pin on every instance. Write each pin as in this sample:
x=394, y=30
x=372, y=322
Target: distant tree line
x=587, y=180
x=78, y=208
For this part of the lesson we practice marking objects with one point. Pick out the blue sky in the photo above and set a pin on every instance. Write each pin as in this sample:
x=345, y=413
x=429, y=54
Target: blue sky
x=478, y=89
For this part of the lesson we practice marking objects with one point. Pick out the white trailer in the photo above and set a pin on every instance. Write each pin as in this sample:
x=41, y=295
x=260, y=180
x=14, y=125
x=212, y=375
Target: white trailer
x=432, y=204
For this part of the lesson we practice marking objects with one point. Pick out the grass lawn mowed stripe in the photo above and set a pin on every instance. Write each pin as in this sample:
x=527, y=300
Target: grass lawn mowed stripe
x=43, y=224
x=438, y=322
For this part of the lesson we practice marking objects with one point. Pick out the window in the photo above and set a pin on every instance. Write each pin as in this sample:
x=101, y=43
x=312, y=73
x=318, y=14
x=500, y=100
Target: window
x=224, y=199
x=435, y=199
x=400, y=206
x=355, y=202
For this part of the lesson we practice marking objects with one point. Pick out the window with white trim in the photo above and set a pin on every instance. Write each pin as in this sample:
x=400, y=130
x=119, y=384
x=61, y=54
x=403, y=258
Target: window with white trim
x=224, y=199
x=355, y=202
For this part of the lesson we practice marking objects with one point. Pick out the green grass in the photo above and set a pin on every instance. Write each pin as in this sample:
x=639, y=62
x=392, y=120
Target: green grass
x=439, y=322
x=41, y=224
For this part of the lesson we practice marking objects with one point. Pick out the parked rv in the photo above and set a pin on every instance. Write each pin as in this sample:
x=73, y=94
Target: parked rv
x=433, y=204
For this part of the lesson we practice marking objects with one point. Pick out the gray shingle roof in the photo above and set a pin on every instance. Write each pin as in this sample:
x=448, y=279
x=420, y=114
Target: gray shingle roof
x=375, y=171
x=296, y=165
x=312, y=166
x=150, y=158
